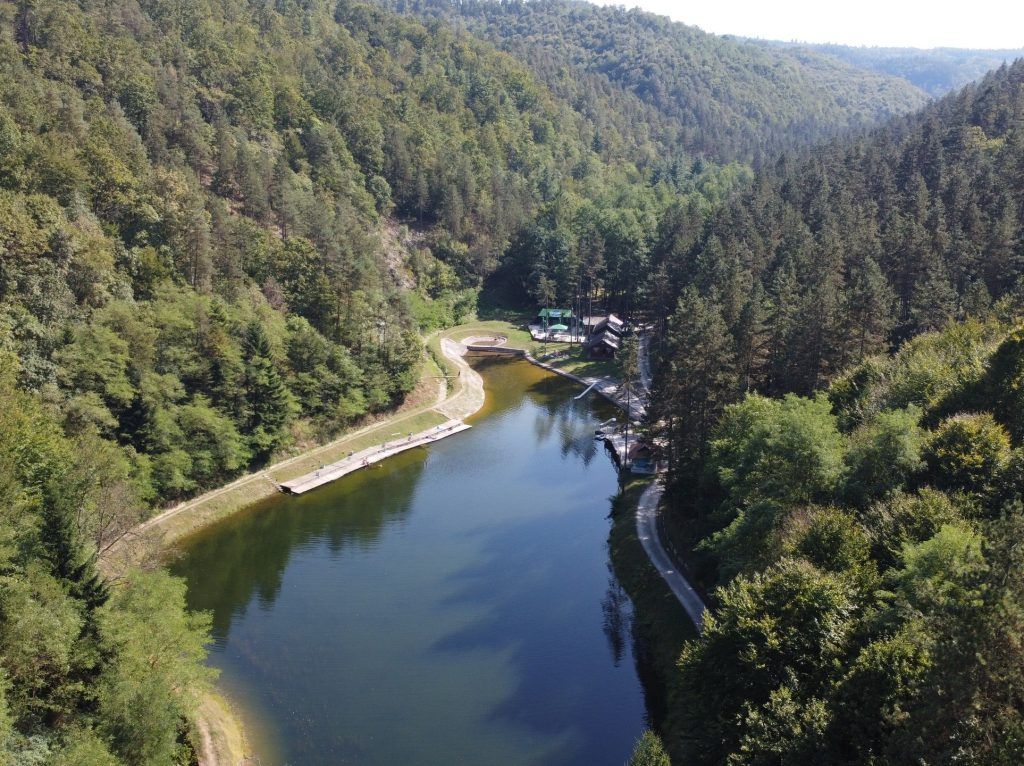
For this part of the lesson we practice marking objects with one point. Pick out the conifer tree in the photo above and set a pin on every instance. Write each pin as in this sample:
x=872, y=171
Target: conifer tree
x=268, y=400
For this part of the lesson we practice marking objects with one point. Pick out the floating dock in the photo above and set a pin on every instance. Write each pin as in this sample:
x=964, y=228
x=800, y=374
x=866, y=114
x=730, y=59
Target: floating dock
x=367, y=457
x=616, y=444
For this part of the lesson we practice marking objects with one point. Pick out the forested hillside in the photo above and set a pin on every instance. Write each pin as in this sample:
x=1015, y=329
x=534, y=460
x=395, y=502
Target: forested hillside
x=936, y=71
x=714, y=97
x=191, y=202
x=866, y=545
x=197, y=218
x=859, y=513
x=842, y=252
x=225, y=225
x=90, y=675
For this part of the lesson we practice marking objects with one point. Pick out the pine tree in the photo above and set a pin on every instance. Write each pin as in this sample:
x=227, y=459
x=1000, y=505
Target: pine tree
x=268, y=401
x=649, y=751
x=933, y=301
x=697, y=378
x=867, y=311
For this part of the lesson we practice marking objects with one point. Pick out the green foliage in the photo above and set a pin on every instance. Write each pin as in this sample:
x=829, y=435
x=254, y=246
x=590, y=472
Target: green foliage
x=884, y=455
x=880, y=627
x=782, y=628
x=786, y=729
x=84, y=748
x=937, y=71
x=786, y=450
x=901, y=520
x=154, y=684
x=1002, y=387
x=90, y=673
x=832, y=540
x=966, y=451
x=694, y=380
x=832, y=257
x=749, y=543
x=649, y=751
x=631, y=66
x=940, y=572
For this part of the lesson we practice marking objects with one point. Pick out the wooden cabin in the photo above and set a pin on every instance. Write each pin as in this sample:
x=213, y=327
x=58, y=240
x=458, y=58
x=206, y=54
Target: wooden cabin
x=641, y=458
x=604, y=337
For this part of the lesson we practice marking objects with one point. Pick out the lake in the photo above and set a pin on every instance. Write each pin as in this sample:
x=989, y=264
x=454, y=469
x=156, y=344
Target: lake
x=452, y=605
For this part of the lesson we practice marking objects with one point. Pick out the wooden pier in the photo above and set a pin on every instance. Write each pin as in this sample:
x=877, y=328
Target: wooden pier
x=367, y=457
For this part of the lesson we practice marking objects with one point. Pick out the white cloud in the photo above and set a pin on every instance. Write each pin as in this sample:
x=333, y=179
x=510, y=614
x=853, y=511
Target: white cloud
x=920, y=24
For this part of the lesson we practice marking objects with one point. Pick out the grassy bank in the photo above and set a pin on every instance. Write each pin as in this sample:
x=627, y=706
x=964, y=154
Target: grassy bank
x=218, y=732
x=571, y=358
x=217, y=736
x=661, y=626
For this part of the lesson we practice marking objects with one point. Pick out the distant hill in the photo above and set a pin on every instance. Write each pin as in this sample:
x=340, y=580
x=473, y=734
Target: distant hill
x=936, y=71
x=717, y=97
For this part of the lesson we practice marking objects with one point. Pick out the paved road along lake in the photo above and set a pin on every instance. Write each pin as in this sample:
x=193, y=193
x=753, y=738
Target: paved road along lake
x=450, y=606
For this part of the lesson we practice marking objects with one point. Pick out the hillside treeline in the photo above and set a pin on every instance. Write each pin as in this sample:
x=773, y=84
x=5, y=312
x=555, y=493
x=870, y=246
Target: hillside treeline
x=865, y=545
x=840, y=253
x=712, y=97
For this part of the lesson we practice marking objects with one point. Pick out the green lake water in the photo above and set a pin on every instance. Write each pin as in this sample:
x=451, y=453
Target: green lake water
x=453, y=605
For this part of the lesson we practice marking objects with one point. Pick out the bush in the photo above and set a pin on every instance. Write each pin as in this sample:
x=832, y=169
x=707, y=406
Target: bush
x=966, y=452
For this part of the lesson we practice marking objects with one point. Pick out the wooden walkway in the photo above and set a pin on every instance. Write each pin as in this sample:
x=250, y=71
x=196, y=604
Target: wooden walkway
x=368, y=457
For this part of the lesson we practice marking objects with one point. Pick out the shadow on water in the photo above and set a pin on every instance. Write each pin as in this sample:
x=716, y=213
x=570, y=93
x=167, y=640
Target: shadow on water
x=454, y=605
x=246, y=555
x=521, y=556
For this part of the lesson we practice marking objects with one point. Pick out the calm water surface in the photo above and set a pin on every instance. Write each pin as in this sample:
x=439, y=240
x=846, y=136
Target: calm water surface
x=450, y=606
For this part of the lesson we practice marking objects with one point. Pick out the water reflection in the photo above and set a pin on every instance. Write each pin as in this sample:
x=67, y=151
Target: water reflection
x=453, y=606
x=248, y=554
x=618, y=617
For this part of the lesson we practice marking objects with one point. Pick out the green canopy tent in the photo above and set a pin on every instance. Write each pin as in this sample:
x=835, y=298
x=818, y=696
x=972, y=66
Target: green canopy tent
x=548, y=314
x=558, y=328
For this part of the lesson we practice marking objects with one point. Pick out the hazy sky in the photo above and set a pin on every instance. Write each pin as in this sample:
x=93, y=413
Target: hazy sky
x=960, y=24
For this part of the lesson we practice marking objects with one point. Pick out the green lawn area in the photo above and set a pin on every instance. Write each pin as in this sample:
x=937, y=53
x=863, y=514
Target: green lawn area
x=516, y=332
x=578, y=364
x=514, y=328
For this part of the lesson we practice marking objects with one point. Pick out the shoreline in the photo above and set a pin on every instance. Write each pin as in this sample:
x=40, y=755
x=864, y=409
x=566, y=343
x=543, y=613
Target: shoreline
x=219, y=733
x=218, y=726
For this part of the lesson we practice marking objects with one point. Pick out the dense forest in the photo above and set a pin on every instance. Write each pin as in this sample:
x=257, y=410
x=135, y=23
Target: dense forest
x=225, y=226
x=865, y=542
x=92, y=672
x=840, y=253
x=195, y=263
x=838, y=395
x=713, y=97
x=936, y=71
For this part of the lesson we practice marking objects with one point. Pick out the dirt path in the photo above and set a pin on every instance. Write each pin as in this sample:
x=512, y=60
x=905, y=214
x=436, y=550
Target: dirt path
x=469, y=398
x=207, y=755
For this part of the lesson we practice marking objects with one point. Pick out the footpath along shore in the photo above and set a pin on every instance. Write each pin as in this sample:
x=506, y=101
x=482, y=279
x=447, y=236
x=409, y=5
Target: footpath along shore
x=218, y=732
x=647, y=519
x=221, y=738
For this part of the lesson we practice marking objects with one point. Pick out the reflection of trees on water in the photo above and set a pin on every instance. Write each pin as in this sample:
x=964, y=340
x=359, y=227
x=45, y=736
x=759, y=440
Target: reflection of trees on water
x=247, y=555
x=558, y=412
x=641, y=643
x=618, y=617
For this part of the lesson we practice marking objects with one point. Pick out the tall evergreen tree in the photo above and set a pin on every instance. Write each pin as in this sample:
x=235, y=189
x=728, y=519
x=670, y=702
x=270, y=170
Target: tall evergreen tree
x=268, y=402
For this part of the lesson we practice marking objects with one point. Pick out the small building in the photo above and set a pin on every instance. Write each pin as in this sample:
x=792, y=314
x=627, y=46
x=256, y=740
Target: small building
x=548, y=318
x=603, y=345
x=604, y=336
x=610, y=323
x=641, y=458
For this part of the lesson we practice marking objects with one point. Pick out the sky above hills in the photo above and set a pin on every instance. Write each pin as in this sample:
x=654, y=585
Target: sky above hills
x=911, y=23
